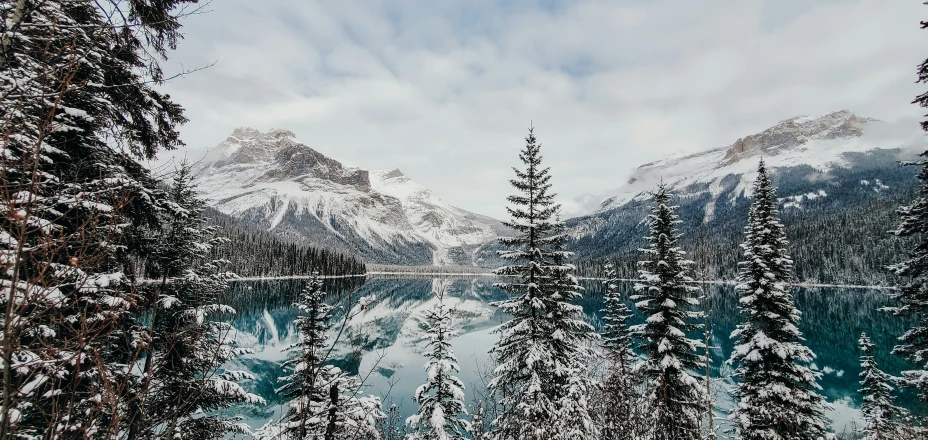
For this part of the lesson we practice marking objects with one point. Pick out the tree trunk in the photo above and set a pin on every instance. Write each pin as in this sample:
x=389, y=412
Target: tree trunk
x=333, y=412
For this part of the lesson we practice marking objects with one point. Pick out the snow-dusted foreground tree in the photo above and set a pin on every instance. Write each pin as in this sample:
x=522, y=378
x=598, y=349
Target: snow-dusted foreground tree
x=79, y=110
x=542, y=353
x=441, y=397
x=666, y=297
x=184, y=345
x=776, y=390
x=913, y=295
x=883, y=420
x=324, y=401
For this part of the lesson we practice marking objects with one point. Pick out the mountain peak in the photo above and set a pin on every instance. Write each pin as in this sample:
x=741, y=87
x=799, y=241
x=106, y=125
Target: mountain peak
x=245, y=132
x=394, y=174
x=280, y=133
x=796, y=131
x=277, y=155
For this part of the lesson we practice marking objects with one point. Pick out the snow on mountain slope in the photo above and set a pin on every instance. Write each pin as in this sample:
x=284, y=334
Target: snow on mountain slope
x=444, y=226
x=274, y=182
x=822, y=142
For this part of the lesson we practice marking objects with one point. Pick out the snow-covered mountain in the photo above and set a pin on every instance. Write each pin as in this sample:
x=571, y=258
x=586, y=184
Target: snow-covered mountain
x=272, y=181
x=823, y=143
x=838, y=180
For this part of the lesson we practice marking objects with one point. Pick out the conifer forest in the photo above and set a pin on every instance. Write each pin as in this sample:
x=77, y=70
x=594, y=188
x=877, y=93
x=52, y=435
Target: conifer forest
x=153, y=287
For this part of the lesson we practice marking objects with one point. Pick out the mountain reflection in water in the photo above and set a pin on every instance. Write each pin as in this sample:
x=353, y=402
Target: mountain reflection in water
x=383, y=343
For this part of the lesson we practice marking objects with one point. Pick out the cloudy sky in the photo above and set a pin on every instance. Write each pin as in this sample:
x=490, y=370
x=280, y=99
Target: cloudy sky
x=445, y=90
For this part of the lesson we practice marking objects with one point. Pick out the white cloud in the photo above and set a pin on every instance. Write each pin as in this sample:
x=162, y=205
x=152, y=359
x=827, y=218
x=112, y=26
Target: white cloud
x=446, y=90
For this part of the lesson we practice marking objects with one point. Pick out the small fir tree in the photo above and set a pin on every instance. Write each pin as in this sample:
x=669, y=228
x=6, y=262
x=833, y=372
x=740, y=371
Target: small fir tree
x=441, y=398
x=325, y=402
x=881, y=415
x=776, y=393
x=620, y=408
x=667, y=298
x=303, y=388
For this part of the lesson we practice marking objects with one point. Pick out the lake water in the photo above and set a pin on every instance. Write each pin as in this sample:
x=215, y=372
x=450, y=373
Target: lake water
x=383, y=343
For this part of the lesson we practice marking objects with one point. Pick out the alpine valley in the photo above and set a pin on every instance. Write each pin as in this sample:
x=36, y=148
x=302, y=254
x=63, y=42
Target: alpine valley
x=830, y=170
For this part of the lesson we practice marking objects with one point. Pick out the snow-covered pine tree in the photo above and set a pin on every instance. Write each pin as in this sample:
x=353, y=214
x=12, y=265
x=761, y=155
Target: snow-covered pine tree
x=441, y=397
x=617, y=339
x=913, y=295
x=303, y=388
x=79, y=109
x=541, y=350
x=883, y=419
x=572, y=340
x=186, y=345
x=666, y=297
x=478, y=426
x=621, y=412
x=324, y=401
x=776, y=391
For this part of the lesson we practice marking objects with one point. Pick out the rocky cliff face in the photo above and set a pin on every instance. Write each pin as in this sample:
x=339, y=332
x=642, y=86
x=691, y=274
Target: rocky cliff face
x=274, y=182
x=285, y=158
x=795, y=132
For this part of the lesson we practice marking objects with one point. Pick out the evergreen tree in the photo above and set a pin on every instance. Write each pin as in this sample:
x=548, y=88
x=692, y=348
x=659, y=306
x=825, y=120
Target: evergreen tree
x=324, y=401
x=617, y=340
x=541, y=352
x=441, y=398
x=881, y=415
x=776, y=394
x=913, y=295
x=303, y=387
x=79, y=110
x=572, y=340
x=667, y=298
x=478, y=427
x=185, y=346
x=620, y=412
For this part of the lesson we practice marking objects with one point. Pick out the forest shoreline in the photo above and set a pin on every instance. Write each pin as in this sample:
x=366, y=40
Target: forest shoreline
x=381, y=273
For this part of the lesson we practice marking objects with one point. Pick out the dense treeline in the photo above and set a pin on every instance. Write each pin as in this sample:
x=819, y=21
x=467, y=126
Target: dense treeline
x=843, y=244
x=254, y=253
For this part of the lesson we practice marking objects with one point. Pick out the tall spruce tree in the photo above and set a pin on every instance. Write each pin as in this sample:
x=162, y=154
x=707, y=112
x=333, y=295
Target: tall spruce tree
x=882, y=418
x=776, y=391
x=666, y=297
x=325, y=402
x=186, y=344
x=441, y=397
x=79, y=110
x=913, y=295
x=540, y=352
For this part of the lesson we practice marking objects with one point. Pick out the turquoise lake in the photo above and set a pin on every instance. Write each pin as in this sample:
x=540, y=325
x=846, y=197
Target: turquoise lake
x=383, y=342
